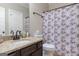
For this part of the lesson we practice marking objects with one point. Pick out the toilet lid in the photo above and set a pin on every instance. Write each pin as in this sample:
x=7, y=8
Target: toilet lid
x=48, y=46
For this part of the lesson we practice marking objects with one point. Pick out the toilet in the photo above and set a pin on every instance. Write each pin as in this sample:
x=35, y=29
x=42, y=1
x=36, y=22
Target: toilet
x=48, y=49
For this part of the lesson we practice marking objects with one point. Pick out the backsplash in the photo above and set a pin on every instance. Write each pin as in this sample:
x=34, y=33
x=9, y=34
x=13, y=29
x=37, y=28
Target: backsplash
x=5, y=38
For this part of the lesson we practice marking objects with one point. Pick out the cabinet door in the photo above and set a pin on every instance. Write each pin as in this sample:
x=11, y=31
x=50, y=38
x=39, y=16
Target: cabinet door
x=16, y=53
x=28, y=50
x=39, y=44
x=37, y=53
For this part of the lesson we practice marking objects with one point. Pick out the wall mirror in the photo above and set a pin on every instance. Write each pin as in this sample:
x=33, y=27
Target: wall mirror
x=13, y=17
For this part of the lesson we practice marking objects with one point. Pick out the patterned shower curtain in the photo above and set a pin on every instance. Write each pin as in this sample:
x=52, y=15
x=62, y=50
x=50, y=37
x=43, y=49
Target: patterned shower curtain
x=61, y=28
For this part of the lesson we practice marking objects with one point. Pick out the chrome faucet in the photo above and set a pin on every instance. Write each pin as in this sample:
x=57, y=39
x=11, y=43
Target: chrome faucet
x=18, y=34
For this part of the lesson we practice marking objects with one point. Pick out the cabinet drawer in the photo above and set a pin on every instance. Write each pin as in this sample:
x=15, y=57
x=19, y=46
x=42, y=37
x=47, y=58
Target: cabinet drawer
x=28, y=50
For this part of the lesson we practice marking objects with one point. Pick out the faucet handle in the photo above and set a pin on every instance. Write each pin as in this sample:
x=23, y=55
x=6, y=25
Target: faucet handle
x=12, y=32
x=18, y=32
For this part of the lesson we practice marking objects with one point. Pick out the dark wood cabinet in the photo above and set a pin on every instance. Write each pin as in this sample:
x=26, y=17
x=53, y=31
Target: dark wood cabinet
x=28, y=50
x=37, y=53
x=15, y=53
x=32, y=50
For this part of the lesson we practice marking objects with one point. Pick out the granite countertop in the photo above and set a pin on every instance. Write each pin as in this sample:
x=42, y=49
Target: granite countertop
x=10, y=45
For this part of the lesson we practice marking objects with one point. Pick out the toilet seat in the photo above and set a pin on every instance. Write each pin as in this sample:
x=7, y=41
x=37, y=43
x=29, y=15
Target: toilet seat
x=47, y=46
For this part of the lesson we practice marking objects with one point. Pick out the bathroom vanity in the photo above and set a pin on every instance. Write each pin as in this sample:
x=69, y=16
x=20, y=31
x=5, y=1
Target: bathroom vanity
x=32, y=50
x=31, y=47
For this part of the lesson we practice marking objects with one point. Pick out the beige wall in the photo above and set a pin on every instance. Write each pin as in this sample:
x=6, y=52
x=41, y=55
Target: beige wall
x=35, y=20
x=56, y=5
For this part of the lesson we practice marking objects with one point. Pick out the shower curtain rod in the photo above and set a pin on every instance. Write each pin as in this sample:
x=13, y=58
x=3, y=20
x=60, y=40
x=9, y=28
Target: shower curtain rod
x=53, y=9
x=60, y=7
x=37, y=14
x=27, y=17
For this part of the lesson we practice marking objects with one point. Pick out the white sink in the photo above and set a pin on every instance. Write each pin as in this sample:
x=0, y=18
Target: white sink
x=19, y=43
